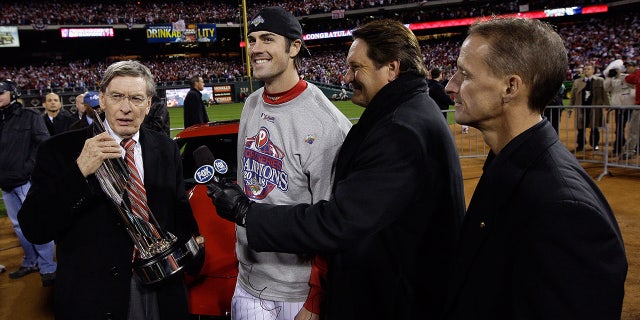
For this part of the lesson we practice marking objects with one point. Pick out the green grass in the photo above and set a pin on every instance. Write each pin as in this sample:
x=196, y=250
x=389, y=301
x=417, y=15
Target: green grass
x=233, y=110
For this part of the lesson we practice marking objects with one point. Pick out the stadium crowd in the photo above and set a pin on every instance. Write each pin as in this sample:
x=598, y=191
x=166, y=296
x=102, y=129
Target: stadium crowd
x=39, y=13
x=598, y=39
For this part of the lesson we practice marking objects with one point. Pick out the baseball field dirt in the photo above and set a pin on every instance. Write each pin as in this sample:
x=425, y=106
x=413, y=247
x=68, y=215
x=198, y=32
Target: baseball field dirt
x=25, y=298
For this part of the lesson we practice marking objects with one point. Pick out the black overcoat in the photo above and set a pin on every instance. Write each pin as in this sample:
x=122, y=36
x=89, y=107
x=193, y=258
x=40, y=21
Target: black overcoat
x=93, y=249
x=539, y=240
x=389, y=228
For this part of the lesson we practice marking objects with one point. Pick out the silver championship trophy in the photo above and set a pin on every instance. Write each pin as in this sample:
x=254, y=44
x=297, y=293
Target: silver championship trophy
x=158, y=253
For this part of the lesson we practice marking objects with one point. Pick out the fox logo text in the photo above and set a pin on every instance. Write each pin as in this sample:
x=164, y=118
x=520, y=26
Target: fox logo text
x=204, y=174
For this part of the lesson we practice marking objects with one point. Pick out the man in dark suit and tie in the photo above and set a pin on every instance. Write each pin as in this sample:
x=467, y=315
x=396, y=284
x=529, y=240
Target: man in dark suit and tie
x=66, y=204
x=54, y=118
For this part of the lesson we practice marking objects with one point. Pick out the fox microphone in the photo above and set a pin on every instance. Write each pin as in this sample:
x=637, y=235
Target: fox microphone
x=208, y=165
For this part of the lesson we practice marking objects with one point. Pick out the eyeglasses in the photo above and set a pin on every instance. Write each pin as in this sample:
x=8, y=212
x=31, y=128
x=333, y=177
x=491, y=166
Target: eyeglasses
x=136, y=100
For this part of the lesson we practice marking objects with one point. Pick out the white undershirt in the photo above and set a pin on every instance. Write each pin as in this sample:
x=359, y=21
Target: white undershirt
x=137, y=149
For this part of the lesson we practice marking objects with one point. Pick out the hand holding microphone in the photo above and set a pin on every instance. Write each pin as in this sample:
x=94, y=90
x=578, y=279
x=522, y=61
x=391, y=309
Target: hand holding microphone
x=230, y=201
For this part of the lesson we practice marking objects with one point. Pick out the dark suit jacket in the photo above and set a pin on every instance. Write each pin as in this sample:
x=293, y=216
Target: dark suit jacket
x=93, y=248
x=390, y=226
x=539, y=240
x=437, y=93
x=194, y=111
x=61, y=123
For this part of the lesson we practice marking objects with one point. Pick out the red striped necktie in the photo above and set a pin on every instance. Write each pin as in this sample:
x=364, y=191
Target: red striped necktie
x=138, y=200
x=135, y=187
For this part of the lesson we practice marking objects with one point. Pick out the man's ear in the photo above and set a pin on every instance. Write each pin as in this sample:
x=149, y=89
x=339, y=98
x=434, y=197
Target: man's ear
x=295, y=47
x=513, y=86
x=394, y=70
x=101, y=102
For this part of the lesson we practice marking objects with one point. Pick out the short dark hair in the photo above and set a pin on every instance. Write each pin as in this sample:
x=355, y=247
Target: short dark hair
x=193, y=80
x=435, y=72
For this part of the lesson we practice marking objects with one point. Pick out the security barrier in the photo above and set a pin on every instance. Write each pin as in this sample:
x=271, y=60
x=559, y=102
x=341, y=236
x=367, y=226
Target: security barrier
x=468, y=140
x=609, y=135
x=622, y=125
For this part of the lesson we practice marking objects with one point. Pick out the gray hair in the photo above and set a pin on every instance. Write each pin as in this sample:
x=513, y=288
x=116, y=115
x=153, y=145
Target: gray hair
x=128, y=68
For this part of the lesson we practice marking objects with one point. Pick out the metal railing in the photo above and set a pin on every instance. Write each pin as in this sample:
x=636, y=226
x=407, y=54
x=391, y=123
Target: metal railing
x=617, y=140
x=606, y=135
x=468, y=140
x=622, y=124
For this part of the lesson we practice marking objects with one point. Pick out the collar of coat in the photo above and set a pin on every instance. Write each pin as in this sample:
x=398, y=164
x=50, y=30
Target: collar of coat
x=392, y=95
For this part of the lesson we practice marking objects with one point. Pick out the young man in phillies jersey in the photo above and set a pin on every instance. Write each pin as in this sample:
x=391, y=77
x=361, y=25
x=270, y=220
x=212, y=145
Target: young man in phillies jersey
x=288, y=138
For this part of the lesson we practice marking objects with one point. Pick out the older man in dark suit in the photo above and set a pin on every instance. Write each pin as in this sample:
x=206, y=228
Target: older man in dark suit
x=67, y=204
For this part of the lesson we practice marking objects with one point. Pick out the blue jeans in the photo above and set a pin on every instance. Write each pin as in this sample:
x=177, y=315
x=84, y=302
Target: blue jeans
x=40, y=255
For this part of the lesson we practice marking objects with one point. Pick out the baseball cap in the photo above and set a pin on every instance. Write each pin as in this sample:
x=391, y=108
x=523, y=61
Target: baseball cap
x=280, y=21
x=92, y=99
x=630, y=63
x=4, y=87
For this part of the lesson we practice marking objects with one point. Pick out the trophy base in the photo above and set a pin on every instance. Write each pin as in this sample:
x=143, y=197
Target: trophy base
x=154, y=270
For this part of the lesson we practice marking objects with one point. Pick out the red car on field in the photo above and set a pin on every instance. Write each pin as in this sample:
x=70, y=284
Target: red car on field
x=210, y=293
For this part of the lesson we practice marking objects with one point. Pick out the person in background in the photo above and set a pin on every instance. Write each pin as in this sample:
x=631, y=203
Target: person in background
x=67, y=204
x=633, y=79
x=158, y=117
x=539, y=239
x=436, y=92
x=79, y=102
x=194, y=111
x=22, y=130
x=618, y=90
x=90, y=105
x=588, y=90
x=288, y=139
x=55, y=120
x=397, y=197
